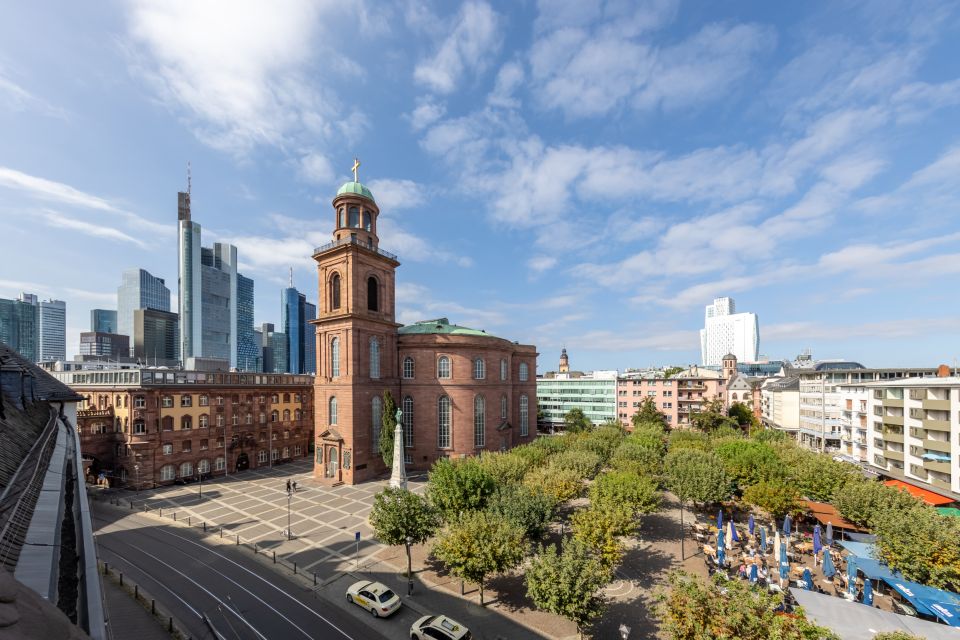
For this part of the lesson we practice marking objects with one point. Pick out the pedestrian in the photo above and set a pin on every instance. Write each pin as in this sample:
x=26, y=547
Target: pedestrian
x=288, y=485
x=294, y=486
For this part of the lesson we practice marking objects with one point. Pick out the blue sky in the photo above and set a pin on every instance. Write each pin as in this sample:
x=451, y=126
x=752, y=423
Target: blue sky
x=561, y=173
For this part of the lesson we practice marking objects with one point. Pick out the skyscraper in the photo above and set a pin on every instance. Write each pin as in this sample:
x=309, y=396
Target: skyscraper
x=155, y=337
x=295, y=314
x=104, y=320
x=274, y=349
x=139, y=290
x=211, y=293
x=20, y=325
x=726, y=331
x=53, y=330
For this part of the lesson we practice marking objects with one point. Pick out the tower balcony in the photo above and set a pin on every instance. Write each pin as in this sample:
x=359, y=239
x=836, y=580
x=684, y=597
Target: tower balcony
x=356, y=241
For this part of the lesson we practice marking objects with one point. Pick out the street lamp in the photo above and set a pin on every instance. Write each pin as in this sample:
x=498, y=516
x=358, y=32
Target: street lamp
x=200, y=477
x=289, y=495
x=136, y=468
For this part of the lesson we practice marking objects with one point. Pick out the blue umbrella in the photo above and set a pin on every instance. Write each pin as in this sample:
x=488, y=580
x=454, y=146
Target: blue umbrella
x=816, y=540
x=851, y=576
x=829, y=536
x=763, y=539
x=787, y=521
x=784, y=561
x=753, y=573
x=828, y=569
x=733, y=531
x=720, y=519
x=750, y=524
x=808, y=580
x=721, y=551
x=868, y=593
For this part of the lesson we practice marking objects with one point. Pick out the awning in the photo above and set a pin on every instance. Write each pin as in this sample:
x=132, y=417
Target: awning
x=949, y=511
x=936, y=456
x=864, y=537
x=825, y=513
x=860, y=549
x=927, y=496
x=930, y=600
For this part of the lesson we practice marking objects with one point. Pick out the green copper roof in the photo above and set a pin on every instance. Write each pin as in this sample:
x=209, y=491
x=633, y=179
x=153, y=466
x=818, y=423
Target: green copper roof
x=355, y=187
x=443, y=326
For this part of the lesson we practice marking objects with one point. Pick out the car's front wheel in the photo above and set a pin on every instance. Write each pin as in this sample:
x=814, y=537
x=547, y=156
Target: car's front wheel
x=374, y=613
x=349, y=598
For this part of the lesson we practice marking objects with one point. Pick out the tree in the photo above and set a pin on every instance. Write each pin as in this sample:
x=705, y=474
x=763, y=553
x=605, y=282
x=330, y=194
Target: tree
x=566, y=583
x=711, y=417
x=669, y=372
x=458, y=486
x=648, y=414
x=402, y=517
x=560, y=484
x=696, y=610
x=585, y=463
x=817, y=475
x=921, y=544
x=696, y=476
x=527, y=509
x=638, y=459
x=860, y=502
x=896, y=635
x=600, y=528
x=750, y=462
x=640, y=495
x=506, y=466
x=388, y=426
x=479, y=544
x=744, y=417
x=575, y=421
x=776, y=498
x=686, y=439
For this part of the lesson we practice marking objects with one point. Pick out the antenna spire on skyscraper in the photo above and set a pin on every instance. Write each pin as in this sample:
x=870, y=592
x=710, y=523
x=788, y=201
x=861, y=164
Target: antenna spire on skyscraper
x=291, y=277
x=188, y=177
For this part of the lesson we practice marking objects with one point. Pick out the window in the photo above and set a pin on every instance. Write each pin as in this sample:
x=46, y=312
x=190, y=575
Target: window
x=186, y=422
x=139, y=402
x=219, y=419
x=407, y=421
x=168, y=472
x=286, y=452
x=204, y=444
x=479, y=369
x=219, y=464
x=249, y=418
x=263, y=436
x=286, y=397
x=186, y=446
x=274, y=415
x=479, y=421
x=335, y=291
x=503, y=369
x=219, y=401
x=139, y=428
x=335, y=358
x=204, y=421
x=407, y=458
x=274, y=398
x=204, y=465
x=297, y=414
x=373, y=294
x=524, y=372
x=166, y=402
x=167, y=448
x=443, y=422
x=353, y=214
x=286, y=434
x=219, y=443
x=333, y=410
x=186, y=400
x=286, y=415
x=263, y=418
x=341, y=217
x=204, y=400
x=262, y=456
x=524, y=416
x=503, y=407
x=376, y=415
x=297, y=450
x=443, y=367
x=374, y=358
x=408, y=369
x=275, y=455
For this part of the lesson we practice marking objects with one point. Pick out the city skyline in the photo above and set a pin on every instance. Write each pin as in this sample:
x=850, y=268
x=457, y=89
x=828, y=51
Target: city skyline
x=801, y=160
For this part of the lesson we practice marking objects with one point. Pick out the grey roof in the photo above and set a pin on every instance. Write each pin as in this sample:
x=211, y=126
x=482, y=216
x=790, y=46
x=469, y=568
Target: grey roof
x=44, y=386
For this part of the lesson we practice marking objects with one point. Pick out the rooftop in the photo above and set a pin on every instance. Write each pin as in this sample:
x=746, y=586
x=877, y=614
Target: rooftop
x=441, y=326
x=355, y=188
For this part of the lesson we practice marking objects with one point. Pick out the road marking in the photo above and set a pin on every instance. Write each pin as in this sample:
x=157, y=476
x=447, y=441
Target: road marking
x=150, y=576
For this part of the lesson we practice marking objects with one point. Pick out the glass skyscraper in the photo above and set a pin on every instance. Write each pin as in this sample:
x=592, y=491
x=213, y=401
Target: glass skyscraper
x=139, y=290
x=249, y=352
x=104, y=320
x=295, y=314
x=20, y=325
x=53, y=330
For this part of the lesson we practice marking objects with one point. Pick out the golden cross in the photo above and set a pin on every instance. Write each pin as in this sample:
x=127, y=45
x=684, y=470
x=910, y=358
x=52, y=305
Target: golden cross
x=356, y=165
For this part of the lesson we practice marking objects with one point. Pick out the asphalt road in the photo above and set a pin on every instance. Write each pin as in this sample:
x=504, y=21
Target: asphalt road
x=191, y=578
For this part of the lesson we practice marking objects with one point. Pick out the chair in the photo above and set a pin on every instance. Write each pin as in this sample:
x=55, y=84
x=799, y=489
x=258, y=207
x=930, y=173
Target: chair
x=904, y=608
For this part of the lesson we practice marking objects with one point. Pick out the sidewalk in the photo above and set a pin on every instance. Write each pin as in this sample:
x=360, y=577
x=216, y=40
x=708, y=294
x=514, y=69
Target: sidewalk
x=126, y=618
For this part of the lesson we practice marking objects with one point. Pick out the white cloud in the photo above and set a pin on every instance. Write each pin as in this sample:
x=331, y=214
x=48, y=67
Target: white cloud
x=888, y=329
x=394, y=195
x=316, y=169
x=15, y=98
x=59, y=221
x=509, y=79
x=472, y=41
x=425, y=114
x=539, y=264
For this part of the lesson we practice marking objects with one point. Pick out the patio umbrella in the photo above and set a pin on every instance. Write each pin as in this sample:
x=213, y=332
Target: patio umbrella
x=750, y=524
x=763, y=540
x=776, y=547
x=784, y=562
x=868, y=593
x=721, y=550
x=816, y=541
x=753, y=573
x=730, y=535
x=807, y=579
x=734, y=536
x=828, y=569
x=851, y=576
x=829, y=537
x=720, y=520
x=787, y=522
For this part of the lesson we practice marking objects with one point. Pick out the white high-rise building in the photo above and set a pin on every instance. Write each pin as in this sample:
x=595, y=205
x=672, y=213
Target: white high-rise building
x=53, y=330
x=726, y=331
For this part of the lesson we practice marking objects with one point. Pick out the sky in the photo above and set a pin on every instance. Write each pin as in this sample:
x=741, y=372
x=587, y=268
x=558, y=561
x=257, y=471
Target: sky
x=568, y=173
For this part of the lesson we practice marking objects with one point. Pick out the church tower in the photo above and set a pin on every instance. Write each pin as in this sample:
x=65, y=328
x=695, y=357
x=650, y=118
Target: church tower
x=564, y=362
x=356, y=339
x=729, y=366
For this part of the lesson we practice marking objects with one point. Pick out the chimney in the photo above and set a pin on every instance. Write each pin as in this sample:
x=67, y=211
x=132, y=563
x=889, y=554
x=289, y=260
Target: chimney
x=943, y=371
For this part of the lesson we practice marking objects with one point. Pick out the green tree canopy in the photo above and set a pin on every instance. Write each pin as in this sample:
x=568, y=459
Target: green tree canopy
x=696, y=476
x=575, y=421
x=922, y=544
x=402, y=517
x=527, y=509
x=750, y=462
x=776, y=498
x=585, y=463
x=560, y=484
x=686, y=439
x=639, y=494
x=635, y=457
x=860, y=502
x=480, y=544
x=648, y=414
x=815, y=475
x=506, y=466
x=388, y=425
x=458, y=486
x=743, y=416
x=669, y=372
x=567, y=583
x=711, y=417
x=600, y=528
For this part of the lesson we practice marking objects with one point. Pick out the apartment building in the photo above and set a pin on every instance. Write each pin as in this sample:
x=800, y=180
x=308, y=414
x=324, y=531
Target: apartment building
x=780, y=404
x=593, y=393
x=853, y=420
x=913, y=431
x=676, y=397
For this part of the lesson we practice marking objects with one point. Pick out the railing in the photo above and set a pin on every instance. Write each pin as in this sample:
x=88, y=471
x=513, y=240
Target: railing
x=354, y=241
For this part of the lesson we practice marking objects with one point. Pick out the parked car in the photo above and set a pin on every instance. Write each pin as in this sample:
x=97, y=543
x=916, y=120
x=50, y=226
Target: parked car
x=375, y=597
x=438, y=628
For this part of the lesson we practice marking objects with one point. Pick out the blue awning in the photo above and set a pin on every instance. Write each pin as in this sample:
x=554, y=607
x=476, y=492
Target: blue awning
x=861, y=537
x=859, y=549
x=930, y=600
x=936, y=456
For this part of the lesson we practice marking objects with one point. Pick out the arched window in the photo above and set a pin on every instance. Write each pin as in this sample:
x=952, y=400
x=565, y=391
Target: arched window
x=262, y=456
x=340, y=217
x=734, y=395
x=443, y=422
x=376, y=414
x=286, y=397
x=479, y=369
x=373, y=294
x=203, y=466
x=335, y=358
x=503, y=369
x=524, y=372
x=250, y=418
x=274, y=415
x=335, y=291
x=503, y=407
x=219, y=464
x=297, y=414
x=354, y=214
x=443, y=367
x=479, y=422
x=408, y=368
x=186, y=422
x=333, y=409
x=374, y=358
x=524, y=415
x=186, y=469
x=408, y=421
x=367, y=219
x=167, y=423
x=286, y=415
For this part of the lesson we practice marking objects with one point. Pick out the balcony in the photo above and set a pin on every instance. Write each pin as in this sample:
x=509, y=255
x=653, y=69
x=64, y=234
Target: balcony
x=356, y=242
x=918, y=433
x=897, y=420
x=936, y=405
x=890, y=454
x=918, y=394
x=942, y=467
x=937, y=425
x=891, y=436
x=892, y=402
x=941, y=446
x=940, y=484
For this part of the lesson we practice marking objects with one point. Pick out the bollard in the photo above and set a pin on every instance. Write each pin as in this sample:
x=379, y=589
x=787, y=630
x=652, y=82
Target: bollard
x=106, y=568
x=131, y=505
x=174, y=516
x=170, y=626
x=136, y=592
x=314, y=578
x=153, y=607
x=204, y=527
x=188, y=521
x=221, y=532
x=238, y=539
x=161, y=512
x=254, y=548
x=294, y=568
x=274, y=557
x=121, y=578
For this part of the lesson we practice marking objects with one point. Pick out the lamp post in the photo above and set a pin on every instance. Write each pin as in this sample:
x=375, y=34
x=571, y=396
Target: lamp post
x=136, y=468
x=200, y=477
x=289, y=495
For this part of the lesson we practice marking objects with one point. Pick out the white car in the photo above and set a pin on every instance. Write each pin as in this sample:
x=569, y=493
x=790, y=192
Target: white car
x=375, y=597
x=438, y=628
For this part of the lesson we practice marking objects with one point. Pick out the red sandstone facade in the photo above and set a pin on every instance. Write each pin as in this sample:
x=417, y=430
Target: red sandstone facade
x=461, y=391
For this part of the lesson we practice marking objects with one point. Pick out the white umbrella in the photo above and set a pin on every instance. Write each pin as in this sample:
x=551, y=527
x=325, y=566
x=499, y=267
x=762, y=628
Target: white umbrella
x=776, y=547
x=729, y=539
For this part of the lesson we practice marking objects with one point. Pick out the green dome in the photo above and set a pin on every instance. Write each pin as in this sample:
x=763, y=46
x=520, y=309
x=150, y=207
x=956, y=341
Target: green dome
x=355, y=188
x=440, y=326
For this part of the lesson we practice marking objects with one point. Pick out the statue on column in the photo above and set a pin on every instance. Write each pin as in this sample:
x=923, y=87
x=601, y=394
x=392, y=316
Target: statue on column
x=398, y=478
